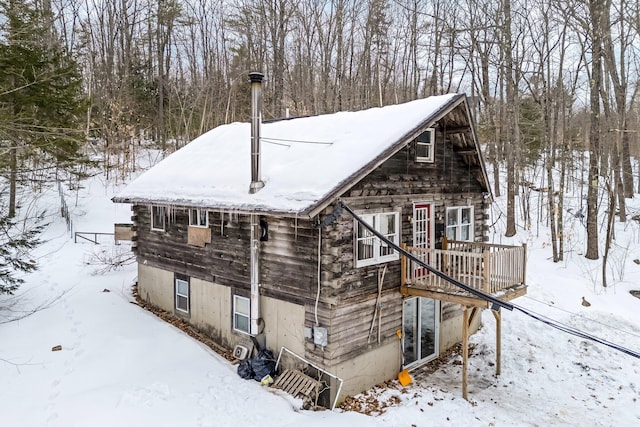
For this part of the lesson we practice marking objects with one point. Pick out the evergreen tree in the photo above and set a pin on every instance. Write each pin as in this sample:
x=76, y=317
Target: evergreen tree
x=15, y=244
x=41, y=109
x=41, y=102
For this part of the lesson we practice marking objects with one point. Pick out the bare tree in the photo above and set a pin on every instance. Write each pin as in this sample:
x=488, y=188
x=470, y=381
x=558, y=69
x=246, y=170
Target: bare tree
x=513, y=134
x=596, y=16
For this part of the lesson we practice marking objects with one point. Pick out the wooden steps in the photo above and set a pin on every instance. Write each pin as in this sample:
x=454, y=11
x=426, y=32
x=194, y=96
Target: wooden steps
x=298, y=385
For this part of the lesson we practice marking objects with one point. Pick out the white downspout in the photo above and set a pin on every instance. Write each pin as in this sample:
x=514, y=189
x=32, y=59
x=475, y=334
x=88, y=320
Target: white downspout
x=255, y=275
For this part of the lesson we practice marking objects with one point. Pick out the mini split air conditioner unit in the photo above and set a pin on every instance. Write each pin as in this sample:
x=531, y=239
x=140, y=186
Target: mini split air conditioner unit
x=240, y=351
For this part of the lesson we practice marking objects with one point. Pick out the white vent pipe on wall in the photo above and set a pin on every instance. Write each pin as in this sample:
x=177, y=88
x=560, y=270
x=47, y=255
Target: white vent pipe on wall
x=255, y=276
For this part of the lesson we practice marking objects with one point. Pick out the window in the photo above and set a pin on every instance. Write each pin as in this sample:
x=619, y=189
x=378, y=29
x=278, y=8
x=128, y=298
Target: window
x=182, y=295
x=371, y=250
x=241, y=311
x=158, y=217
x=425, y=146
x=460, y=223
x=198, y=218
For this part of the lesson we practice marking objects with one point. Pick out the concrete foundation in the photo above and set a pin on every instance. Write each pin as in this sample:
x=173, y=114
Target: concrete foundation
x=283, y=325
x=451, y=331
x=364, y=371
x=211, y=310
x=155, y=286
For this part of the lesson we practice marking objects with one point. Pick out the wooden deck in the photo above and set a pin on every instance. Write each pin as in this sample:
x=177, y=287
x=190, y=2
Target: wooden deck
x=498, y=270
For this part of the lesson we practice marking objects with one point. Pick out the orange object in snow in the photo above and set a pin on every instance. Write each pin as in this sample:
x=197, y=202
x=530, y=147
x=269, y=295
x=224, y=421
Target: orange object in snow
x=404, y=378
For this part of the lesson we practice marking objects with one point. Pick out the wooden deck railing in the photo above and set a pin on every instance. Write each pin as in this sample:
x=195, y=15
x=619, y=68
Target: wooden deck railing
x=483, y=266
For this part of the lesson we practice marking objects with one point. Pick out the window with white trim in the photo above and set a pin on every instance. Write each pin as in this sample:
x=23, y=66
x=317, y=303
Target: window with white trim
x=158, y=217
x=459, y=223
x=241, y=314
x=182, y=295
x=198, y=218
x=425, y=146
x=371, y=250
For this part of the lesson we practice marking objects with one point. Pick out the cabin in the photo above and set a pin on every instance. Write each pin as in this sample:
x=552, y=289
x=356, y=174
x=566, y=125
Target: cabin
x=240, y=233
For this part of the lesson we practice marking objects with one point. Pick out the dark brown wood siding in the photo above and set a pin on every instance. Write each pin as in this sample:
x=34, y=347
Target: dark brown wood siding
x=288, y=260
x=224, y=261
x=349, y=326
x=288, y=267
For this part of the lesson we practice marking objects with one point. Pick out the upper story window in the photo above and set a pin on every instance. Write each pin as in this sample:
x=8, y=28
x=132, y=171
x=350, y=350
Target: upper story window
x=425, y=146
x=460, y=223
x=158, y=217
x=198, y=218
x=371, y=250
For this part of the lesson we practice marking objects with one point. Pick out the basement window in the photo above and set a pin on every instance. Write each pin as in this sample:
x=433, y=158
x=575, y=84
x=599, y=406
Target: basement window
x=460, y=223
x=371, y=250
x=158, y=218
x=241, y=310
x=425, y=146
x=198, y=218
x=182, y=294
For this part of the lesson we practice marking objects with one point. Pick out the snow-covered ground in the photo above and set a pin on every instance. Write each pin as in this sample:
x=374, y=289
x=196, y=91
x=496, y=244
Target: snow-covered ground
x=121, y=366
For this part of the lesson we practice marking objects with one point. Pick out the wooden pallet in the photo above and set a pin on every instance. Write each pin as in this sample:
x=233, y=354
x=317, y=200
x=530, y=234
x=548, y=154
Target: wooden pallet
x=297, y=384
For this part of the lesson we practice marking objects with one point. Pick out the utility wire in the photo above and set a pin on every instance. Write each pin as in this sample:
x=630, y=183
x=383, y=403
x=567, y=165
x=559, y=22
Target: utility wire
x=606, y=325
x=575, y=332
x=275, y=143
x=299, y=141
x=496, y=302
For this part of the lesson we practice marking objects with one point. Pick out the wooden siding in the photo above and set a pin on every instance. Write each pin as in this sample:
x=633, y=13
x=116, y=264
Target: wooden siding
x=224, y=261
x=349, y=323
x=288, y=268
x=395, y=187
x=288, y=260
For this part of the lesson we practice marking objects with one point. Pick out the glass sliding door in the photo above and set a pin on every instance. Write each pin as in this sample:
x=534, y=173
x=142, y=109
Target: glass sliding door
x=420, y=330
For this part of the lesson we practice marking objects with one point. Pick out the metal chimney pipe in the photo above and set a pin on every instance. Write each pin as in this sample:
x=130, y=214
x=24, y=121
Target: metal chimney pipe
x=256, y=185
x=256, y=118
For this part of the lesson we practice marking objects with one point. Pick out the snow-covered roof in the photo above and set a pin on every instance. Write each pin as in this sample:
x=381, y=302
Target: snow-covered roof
x=303, y=160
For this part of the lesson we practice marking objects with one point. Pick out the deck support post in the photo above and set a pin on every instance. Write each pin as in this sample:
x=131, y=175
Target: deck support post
x=498, y=315
x=467, y=320
x=465, y=350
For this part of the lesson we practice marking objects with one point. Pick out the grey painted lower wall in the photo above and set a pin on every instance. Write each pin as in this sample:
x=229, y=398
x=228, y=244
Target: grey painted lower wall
x=451, y=331
x=211, y=310
x=155, y=286
x=374, y=367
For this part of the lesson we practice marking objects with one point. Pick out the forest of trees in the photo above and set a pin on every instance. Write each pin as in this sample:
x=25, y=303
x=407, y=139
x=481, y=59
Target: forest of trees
x=547, y=79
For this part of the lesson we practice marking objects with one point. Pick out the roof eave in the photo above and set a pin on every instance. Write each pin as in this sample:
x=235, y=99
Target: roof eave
x=472, y=127
x=260, y=210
